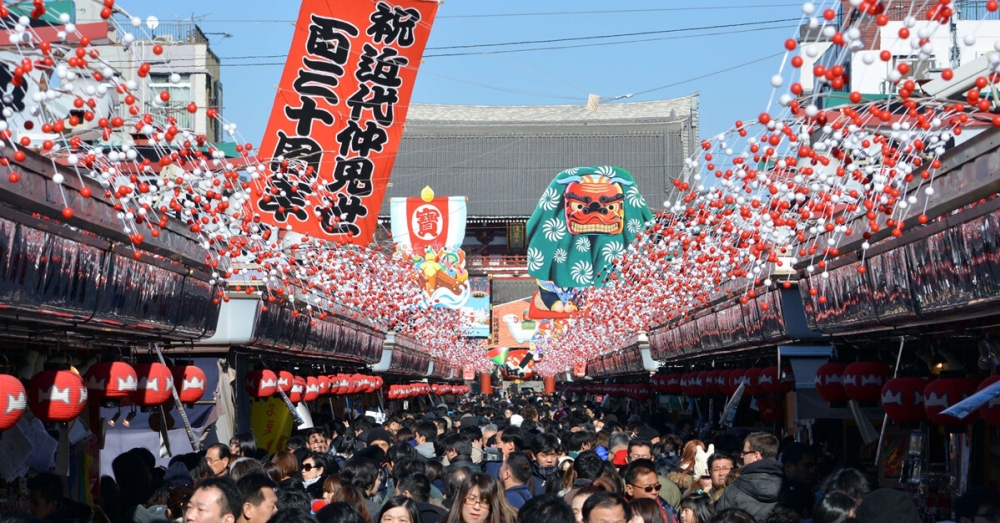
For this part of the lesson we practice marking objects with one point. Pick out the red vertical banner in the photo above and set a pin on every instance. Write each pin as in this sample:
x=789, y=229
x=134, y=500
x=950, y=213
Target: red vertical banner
x=338, y=115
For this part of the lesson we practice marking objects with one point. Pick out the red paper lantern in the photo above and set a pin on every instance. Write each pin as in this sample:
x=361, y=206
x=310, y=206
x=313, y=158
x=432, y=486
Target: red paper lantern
x=945, y=392
x=378, y=382
x=903, y=399
x=685, y=383
x=863, y=380
x=312, y=389
x=774, y=382
x=990, y=410
x=369, y=385
x=391, y=394
x=13, y=401
x=110, y=380
x=830, y=382
x=324, y=385
x=753, y=387
x=729, y=385
x=703, y=379
x=285, y=381
x=711, y=382
x=298, y=389
x=672, y=384
x=261, y=383
x=156, y=385
x=190, y=382
x=56, y=396
x=736, y=378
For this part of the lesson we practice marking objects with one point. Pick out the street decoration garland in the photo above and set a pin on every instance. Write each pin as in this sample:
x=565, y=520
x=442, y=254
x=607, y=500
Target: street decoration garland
x=784, y=187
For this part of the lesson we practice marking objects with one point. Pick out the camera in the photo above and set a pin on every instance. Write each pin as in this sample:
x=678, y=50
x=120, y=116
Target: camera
x=492, y=455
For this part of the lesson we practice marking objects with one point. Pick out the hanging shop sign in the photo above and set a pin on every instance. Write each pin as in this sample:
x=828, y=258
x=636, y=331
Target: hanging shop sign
x=338, y=116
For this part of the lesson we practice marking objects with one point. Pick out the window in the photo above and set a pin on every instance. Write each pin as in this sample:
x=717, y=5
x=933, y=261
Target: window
x=180, y=97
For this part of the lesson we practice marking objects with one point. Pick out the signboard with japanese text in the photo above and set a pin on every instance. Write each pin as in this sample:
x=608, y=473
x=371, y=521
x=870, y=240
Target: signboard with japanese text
x=271, y=423
x=338, y=116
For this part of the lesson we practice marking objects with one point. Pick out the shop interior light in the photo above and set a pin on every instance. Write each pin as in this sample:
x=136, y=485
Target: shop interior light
x=111, y=422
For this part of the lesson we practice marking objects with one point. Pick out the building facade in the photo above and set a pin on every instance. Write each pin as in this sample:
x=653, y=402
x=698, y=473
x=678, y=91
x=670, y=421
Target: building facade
x=503, y=158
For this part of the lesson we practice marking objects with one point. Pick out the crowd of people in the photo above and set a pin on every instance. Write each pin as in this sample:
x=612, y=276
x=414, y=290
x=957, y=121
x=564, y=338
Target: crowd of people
x=521, y=460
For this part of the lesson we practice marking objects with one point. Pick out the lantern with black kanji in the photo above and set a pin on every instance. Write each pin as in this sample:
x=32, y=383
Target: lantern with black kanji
x=13, y=401
x=110, y=381
x=261, y=383
x=156, y=385
x=57, y=396
x=990, y=410
x=830, y=382
x=903, y=399
x=190, y=382
x=863, y=380
x=945, y=392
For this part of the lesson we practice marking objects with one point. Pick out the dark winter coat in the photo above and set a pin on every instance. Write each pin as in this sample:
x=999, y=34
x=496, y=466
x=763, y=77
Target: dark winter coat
x=756, y=490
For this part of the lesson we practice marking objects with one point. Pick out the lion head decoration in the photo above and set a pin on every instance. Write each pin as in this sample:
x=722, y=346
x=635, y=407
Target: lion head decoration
x=582, y=224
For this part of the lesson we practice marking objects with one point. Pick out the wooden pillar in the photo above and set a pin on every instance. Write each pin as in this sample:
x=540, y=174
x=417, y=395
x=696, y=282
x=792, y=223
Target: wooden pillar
x=486, y=383
x=550, y=385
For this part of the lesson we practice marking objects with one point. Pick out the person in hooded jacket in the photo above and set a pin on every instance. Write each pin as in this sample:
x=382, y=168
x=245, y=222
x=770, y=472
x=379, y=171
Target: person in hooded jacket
x=759, y=485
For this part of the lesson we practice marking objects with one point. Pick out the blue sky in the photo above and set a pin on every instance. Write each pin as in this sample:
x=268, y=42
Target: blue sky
x=261, y=31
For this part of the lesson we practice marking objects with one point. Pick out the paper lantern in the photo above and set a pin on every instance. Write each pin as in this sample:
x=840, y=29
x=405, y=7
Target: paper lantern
x=190, y=382
x=110, y=380
x=312, y=389
x=990, y=411
x=945, y=392
x=830, y=382
x=324, y=385
x=261, y=383
x=711, y=383
x=378, y=382
x=298, y=389
x=738, y=377
x=702, y=383
x=13, y=401
x=156, y=385
x=285, y=381
x=753, y=387
x=729, y=385
x=863, y=380
x=774, y=382
x=391, y=393
x=672, y=384
x=369, y=385
x=685, y=383
x=56, y=396
x=903, y=399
